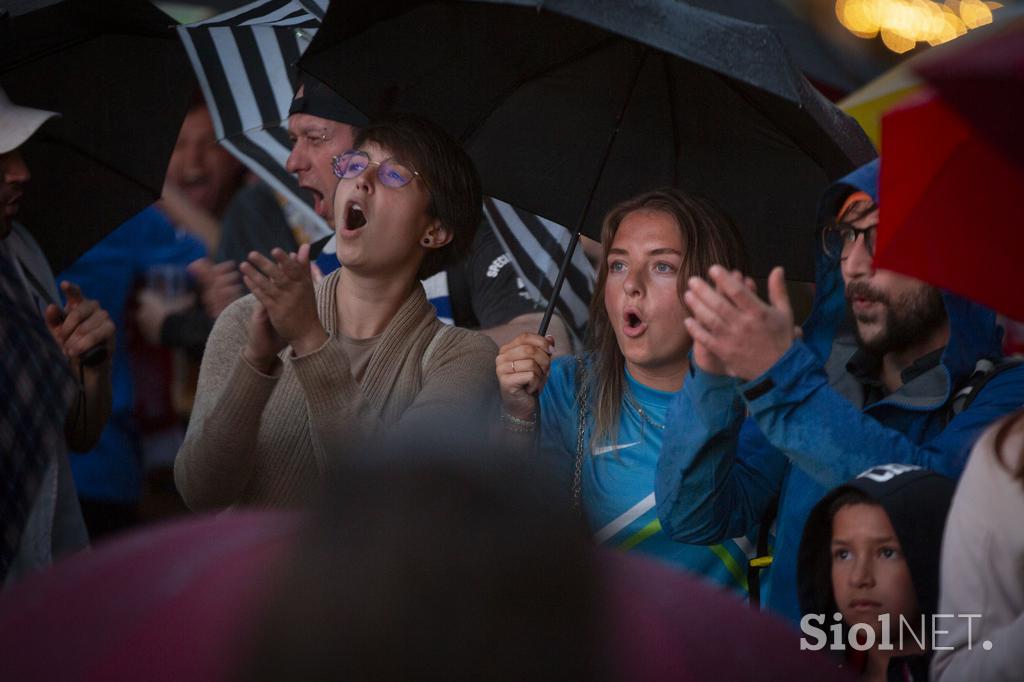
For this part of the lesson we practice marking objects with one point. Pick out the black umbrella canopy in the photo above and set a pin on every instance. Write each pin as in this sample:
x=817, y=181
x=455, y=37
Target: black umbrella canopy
x=117, y=73
x=536, y=91
x=813, y=55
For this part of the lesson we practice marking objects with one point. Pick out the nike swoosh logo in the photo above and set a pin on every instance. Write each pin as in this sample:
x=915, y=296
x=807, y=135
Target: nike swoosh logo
x=610, y=448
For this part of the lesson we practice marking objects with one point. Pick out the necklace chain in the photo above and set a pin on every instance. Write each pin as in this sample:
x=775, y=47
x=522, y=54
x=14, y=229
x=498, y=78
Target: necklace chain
x=640, y=410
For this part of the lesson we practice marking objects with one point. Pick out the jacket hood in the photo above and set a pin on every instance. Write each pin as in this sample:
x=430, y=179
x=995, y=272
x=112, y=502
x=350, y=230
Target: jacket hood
x=917, y=502
x=974, y=333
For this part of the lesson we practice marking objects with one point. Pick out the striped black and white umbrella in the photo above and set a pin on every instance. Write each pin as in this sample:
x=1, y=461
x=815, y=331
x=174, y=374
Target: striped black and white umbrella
x=245, y=62
x=536, y=247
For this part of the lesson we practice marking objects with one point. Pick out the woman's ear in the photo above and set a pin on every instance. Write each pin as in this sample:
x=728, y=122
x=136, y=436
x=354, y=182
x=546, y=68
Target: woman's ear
x=436, y=236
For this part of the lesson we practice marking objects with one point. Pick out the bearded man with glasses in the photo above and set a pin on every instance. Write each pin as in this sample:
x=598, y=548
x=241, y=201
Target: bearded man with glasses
x=887, y=370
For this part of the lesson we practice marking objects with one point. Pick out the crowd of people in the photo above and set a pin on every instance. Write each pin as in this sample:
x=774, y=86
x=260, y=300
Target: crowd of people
x=808, y=466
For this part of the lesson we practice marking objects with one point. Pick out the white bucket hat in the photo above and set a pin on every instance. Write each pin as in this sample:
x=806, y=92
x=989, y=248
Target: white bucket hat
x=17, y=124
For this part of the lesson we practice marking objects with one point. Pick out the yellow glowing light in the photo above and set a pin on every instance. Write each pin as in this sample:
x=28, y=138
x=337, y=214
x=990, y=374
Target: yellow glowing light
x=855, y=15
x=975, y=13
x=897, y=43
x=904, y=23
x=952, y=26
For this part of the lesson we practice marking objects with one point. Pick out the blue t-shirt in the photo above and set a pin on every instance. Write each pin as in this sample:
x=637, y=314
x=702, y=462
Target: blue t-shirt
x=617, y=477
x=107, y=272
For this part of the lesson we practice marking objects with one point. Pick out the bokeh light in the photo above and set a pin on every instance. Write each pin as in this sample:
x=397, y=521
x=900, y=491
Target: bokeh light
x=902, y=24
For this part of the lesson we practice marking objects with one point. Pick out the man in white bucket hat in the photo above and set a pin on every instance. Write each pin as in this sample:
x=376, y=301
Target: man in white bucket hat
x=58, y=367
x=17, y=124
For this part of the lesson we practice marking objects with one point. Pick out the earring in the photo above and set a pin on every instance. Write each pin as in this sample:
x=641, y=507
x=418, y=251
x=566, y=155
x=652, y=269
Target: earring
x=426, y=241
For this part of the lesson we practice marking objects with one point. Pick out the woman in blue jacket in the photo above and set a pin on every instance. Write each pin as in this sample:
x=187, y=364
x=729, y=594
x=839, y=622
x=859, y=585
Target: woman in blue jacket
x=602, y=415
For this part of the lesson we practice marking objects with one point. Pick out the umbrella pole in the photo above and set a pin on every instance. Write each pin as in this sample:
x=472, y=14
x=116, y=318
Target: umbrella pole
x=571, y=247
x=562, y=269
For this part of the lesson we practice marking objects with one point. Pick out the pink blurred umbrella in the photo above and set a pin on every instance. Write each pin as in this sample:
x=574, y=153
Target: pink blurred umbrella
x=667, y=625
x=173, y=602
x=181, y=602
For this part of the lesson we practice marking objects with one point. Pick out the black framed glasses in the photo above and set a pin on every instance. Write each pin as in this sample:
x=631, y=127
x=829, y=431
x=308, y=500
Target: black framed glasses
x=390, y=172
x=838, y=239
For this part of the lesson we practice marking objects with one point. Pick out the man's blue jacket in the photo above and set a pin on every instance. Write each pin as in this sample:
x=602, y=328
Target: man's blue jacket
x=731, y=448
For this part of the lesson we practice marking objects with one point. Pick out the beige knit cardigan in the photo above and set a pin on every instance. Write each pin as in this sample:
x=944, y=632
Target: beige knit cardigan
x=262, y=440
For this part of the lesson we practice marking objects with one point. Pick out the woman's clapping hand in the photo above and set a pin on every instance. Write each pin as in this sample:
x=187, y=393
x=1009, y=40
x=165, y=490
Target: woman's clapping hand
x=283, y=286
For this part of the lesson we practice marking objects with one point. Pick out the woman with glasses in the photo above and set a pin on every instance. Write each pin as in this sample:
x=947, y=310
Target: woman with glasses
x=601, y=416
x=296, y=375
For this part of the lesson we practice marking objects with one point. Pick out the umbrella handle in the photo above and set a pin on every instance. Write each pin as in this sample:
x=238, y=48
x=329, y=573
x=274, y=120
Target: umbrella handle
x=562, y=269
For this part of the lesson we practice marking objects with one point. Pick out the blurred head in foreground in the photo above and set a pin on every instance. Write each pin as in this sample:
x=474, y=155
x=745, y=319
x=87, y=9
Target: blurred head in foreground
x=434, y=565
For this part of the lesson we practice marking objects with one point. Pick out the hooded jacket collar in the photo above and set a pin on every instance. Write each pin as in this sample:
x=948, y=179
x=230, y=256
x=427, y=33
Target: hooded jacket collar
x=828, y=331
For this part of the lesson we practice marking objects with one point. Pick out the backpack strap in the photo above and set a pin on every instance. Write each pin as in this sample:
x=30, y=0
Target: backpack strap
x=984, y=371
x=432, y=346
x=763, y=557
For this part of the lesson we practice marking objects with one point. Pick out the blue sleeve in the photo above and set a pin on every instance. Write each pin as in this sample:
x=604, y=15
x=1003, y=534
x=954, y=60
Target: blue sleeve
x=160, y=243
x=717, y=474
x=821, y=432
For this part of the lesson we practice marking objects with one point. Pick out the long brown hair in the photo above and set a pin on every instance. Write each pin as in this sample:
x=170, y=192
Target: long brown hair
x=709, y=237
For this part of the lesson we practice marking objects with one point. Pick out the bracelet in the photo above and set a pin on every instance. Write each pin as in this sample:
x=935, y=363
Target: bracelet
x=512, y=423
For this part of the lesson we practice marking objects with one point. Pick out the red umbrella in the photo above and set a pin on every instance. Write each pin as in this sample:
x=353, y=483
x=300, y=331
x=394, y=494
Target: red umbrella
x=952, y=174
x=985, y=84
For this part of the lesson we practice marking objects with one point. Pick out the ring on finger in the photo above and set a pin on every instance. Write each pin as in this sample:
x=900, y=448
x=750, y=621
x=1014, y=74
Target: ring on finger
x=513, y=366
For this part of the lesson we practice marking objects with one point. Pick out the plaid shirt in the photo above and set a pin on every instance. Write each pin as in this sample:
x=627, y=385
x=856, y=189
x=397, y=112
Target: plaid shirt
x=36, y=393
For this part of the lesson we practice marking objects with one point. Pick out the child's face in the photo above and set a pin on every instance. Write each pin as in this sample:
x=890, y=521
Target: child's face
x=870, y=575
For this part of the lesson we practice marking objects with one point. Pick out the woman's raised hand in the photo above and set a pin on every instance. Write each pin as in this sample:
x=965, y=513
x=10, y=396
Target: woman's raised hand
x=264, y=343
x=284, y=286
x=522, y=366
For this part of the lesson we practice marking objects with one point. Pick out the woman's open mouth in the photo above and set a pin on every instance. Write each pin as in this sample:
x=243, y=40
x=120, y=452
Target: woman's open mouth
x=355, y=216
x=633, y=324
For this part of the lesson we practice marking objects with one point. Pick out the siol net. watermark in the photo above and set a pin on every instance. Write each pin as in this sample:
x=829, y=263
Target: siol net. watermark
x=862, y=636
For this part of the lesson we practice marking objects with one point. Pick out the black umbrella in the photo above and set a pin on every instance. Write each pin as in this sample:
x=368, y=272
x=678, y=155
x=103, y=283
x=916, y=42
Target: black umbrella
x=569, y=106
x=117, y=73
x=831, y=71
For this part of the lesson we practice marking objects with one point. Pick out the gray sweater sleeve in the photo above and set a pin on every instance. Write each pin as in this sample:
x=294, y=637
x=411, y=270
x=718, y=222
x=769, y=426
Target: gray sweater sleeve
x=218, y=455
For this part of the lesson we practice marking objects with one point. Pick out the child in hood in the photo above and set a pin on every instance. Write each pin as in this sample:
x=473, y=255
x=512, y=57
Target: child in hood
x=869, y=558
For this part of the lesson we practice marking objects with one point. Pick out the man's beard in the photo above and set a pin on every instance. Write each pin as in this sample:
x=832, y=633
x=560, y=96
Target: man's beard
x=906, y=321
